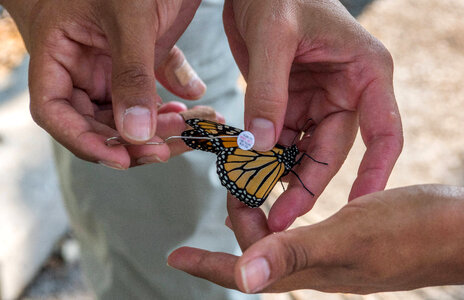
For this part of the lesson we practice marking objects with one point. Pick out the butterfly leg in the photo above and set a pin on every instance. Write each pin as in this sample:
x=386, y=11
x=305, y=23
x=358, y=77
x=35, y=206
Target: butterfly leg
x=283, y=187
x=313, y=159
x=312, y=194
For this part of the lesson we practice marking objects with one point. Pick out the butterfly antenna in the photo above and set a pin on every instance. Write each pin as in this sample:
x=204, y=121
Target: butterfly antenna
x=312, y=194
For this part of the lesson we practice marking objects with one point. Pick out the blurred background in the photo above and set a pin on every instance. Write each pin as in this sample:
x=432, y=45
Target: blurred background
x=39, y=259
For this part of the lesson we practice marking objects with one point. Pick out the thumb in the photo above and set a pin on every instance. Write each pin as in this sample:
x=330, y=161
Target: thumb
x=271, y=51
x=133, y=86
x=273, y=258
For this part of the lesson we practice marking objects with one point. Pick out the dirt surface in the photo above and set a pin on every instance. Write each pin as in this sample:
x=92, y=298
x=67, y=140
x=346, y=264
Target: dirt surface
x=427, y=43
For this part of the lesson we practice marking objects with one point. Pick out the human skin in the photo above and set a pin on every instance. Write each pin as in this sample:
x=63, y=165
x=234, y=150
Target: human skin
x=312, y=60
x=92, y=73
x=392, y=240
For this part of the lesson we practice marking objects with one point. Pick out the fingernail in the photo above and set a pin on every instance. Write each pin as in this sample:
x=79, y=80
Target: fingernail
x=187, y=76
x=264, y=132
x=255, y=274
x=137, y=123
x=110, y=164
x=149, y=160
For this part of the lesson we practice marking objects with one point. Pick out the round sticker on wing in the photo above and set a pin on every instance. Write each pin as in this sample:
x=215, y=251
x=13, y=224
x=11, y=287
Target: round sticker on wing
x=245, y=140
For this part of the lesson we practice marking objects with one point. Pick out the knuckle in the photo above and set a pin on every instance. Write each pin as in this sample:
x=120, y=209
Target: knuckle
x=295, y=255
x=380, y=52
x=265, y=99
x=133, y=75
x=386, y=57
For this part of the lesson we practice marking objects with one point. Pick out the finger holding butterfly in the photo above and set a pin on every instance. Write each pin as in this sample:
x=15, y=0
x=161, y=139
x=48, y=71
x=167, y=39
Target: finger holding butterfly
x=248, y=225
x=329, y=142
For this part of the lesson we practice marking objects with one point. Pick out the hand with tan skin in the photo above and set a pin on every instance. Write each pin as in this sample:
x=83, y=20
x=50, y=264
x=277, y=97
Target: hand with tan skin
x=393, y=240
x=311, y=60
x=93, y=68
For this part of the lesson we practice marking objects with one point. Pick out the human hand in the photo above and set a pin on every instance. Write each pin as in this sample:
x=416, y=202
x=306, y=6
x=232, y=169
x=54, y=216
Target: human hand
x=311, y=60
x=92, y=71
x=392, y=240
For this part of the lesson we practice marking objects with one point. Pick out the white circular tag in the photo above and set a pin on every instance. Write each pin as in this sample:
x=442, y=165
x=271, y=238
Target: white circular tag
x=245, y=140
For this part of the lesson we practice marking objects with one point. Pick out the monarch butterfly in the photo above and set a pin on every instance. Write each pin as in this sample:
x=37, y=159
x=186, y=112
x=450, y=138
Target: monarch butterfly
x=249, y=175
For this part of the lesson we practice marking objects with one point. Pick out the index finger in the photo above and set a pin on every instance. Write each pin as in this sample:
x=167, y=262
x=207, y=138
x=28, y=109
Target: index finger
x=271, y=50
x=249, y=224
x=330, y=143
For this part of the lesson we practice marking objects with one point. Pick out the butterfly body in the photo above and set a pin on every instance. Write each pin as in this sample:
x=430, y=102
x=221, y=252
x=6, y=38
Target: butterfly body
x=249, y=175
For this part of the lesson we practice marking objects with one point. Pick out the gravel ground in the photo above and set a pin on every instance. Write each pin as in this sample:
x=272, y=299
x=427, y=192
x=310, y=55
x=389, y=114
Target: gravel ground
x=61, y=277
x=426, y=41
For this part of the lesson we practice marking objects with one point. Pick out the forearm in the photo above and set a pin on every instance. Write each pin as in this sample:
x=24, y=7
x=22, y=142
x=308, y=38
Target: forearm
x=418, y=240
x=20, y=11
x=424, y=234
x=448, y=230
